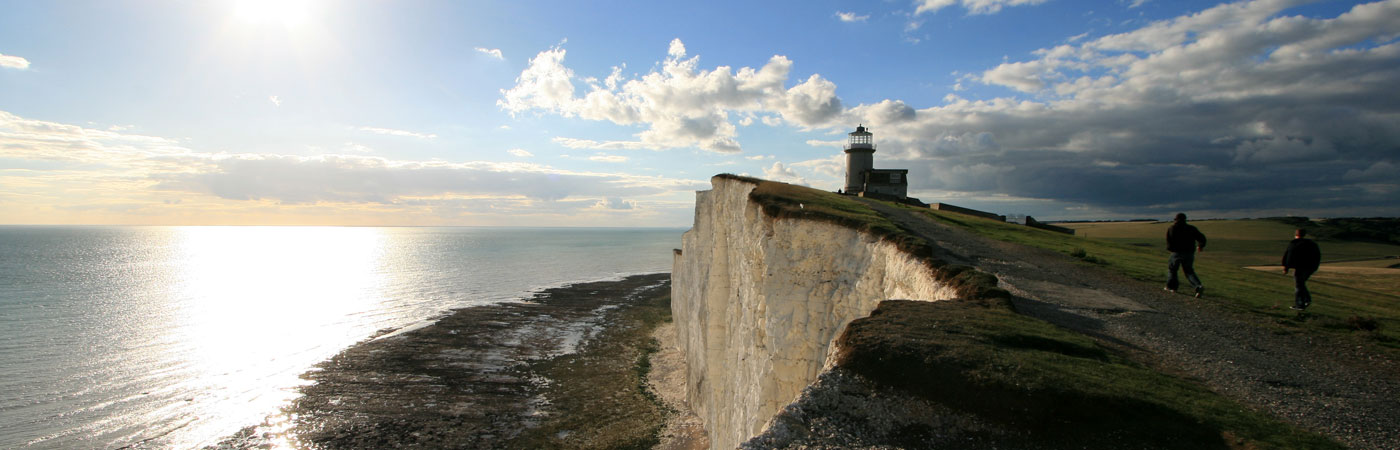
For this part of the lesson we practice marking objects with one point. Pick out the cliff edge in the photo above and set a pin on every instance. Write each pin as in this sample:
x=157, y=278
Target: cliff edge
x=810, y=319
x=761, y=291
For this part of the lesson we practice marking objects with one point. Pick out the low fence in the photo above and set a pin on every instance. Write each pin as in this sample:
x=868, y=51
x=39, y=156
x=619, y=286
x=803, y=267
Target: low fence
x=967, y=211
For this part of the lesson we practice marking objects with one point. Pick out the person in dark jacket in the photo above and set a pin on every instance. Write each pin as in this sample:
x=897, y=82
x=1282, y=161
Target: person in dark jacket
x=1303, y=257
x=1183, y=241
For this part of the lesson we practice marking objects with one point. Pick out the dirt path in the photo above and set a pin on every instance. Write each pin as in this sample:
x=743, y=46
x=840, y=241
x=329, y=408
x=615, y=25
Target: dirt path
x=1321, y=385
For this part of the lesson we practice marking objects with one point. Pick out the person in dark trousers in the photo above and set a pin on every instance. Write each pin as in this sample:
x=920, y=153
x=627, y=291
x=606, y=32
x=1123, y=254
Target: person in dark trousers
x=1183, y=241
x=1303, y=257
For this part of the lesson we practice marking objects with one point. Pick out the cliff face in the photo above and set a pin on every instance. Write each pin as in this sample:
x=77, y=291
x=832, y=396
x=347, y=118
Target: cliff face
x=758, y=302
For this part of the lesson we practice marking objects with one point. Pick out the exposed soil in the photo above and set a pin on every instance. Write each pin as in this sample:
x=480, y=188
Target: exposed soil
x=1332, y=387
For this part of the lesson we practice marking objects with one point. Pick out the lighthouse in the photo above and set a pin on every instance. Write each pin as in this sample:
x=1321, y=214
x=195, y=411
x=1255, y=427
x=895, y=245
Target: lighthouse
x=860, y=158
x=862, y=177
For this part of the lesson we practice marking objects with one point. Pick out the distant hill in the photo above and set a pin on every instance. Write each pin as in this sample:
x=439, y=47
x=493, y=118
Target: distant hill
x=1373, y=229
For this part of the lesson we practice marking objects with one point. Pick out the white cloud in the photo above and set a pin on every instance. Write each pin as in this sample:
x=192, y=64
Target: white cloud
x=820, y=143
x=608, y=158
x=357, y=148
x=93, y=169
x=13, y=62
x=680, y=104
x=923, y=6
x=602, y=145
x=520, y=152
x=677, y=49
x=832, y=169
x=778, y=172
x=615, y=203
x=362, y=179
x=546, y=84
x=851, y=17
x=400, y=133
x=492, y=52
x=275, y=101
x=758, y=157
x=972, y=6
x=29, y=139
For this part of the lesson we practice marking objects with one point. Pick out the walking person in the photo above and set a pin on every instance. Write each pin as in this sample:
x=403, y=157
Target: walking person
x=1303, y=257
x=1183, y=241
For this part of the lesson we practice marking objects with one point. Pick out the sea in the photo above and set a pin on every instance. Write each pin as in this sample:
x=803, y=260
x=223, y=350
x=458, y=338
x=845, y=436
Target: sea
x=175, y=337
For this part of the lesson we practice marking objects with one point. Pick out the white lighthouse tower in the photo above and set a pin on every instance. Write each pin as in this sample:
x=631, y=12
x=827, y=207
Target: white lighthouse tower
x=860, y=158
x=863, y=179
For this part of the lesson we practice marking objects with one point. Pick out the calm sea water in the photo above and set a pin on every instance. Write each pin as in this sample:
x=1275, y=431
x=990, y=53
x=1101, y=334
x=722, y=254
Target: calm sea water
x=177, y=336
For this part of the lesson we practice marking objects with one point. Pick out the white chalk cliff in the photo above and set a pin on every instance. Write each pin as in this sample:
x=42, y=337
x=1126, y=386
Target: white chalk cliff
x=758, y=302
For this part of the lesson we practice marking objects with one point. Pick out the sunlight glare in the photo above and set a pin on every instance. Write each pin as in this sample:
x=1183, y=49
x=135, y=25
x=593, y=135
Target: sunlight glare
x=250, y=289
x=287, y=13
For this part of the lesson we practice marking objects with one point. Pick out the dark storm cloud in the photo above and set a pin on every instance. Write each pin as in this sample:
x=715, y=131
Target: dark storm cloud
x=1240, y=107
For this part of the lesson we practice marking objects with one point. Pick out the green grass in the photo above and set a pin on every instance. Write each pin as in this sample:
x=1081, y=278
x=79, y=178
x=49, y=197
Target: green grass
x=1057, y=388
x=1386, y=263
x=787, y=200
x=1265, y=295
x=1253, y=242
x=782, y=200
x=1380, y=283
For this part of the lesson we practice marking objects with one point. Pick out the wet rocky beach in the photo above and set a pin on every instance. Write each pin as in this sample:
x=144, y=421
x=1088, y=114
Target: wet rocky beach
x=481, y=377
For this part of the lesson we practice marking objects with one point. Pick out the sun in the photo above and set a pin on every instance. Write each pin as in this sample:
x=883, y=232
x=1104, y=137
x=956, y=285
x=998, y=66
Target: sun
x=287, y=13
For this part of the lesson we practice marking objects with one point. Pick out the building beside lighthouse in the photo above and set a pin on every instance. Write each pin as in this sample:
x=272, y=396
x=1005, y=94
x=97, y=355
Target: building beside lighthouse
x=862, y=178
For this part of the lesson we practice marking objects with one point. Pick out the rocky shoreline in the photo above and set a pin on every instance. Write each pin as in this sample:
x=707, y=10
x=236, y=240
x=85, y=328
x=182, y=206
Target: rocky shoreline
x=481, y=377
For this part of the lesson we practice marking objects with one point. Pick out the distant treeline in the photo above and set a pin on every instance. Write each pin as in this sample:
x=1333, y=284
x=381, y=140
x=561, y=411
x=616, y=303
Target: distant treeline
x=1371, y=229
x=1102, y=220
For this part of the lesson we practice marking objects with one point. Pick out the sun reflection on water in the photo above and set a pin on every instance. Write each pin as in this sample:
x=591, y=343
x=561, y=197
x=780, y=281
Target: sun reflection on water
x=250, y=289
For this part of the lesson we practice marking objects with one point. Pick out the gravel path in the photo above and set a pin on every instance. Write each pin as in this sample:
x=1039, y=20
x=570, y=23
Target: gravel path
x=1326, y=386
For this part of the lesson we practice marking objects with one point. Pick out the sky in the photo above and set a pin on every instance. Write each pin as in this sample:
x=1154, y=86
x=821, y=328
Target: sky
x=613, y=113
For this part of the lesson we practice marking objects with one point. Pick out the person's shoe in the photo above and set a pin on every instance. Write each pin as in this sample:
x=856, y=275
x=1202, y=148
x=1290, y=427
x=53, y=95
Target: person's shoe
x=1297, y=308
x=1200, y=291
x=1169, y=290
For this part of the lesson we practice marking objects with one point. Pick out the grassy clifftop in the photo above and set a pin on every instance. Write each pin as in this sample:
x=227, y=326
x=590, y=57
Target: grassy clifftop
x=1049, y=387
x=782, y=200
x=1136, y=251
x=1054, y=387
